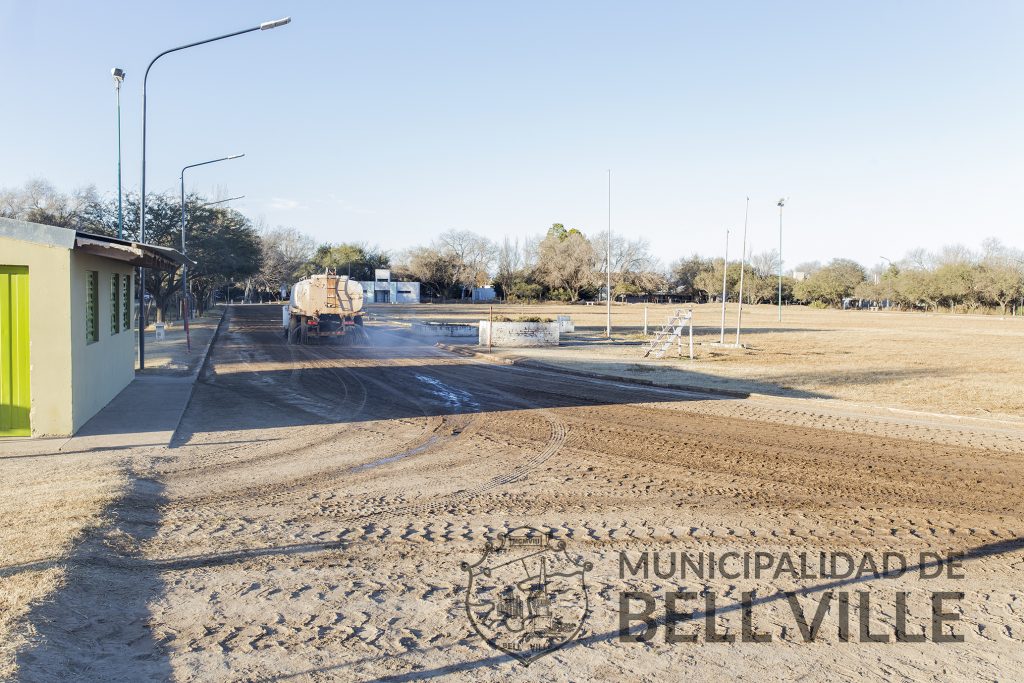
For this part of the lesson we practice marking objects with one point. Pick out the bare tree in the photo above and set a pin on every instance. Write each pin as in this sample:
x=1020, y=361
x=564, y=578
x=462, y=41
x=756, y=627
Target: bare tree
x=765, y=264
x=40, y=202
x=471, y=254
x=285, y=251
x=627, y=256
x=510, y=265
x=433, y=267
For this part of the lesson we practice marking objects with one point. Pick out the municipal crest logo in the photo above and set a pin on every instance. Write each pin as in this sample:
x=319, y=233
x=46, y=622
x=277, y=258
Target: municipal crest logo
x=526, y=595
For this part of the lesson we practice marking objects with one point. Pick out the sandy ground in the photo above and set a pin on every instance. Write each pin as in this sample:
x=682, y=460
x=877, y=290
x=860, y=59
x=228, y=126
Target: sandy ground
x=962, y=364
x=311, y=518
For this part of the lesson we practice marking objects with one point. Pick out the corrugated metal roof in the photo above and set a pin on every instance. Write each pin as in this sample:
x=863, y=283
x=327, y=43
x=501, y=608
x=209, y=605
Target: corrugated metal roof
x=135, y=253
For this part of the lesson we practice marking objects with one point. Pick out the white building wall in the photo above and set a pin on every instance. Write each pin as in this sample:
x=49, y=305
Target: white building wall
x=516, y=334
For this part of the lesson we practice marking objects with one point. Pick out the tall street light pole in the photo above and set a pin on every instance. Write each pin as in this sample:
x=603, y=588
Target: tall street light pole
x=608, y=263
x=118, y=75
x=142, y=201
x=781, y=204
x=184, y=266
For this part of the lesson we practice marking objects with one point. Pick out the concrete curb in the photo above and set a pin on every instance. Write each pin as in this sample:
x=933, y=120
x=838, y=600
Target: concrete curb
x=547, y=367
x=194, y=375
x=206, y=352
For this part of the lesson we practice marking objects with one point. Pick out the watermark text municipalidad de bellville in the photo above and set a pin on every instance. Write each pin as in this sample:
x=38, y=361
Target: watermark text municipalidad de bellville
x=831, y=598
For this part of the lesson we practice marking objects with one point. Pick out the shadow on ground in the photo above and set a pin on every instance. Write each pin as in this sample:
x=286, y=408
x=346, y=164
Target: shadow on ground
x=96, y=627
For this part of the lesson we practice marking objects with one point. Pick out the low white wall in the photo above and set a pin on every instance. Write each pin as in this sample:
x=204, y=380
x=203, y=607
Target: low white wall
x=513, y=334
x=444, y=329
x=565, y=324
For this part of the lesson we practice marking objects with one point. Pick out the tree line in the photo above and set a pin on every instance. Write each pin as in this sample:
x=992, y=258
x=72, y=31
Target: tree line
x=561, y=264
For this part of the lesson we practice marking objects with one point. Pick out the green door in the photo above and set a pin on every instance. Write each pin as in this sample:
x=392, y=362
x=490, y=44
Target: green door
x=14, y=397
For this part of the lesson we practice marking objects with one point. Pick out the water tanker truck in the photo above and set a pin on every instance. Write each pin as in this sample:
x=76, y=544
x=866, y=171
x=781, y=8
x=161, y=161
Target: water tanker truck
x=325, y=306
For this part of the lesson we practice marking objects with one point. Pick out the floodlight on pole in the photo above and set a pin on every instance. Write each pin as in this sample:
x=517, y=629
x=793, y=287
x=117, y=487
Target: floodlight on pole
x=119, y=75
x=142, y=199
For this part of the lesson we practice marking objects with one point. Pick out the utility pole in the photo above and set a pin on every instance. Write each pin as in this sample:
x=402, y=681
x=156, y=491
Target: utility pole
x=743, y=265
x=725, y=271
x=608, y=261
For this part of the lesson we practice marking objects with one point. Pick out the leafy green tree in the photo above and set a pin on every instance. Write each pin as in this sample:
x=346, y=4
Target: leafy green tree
x=832, y=283
x=348, y=258
x=221, y=241
x=999, y=284
x=684, y=273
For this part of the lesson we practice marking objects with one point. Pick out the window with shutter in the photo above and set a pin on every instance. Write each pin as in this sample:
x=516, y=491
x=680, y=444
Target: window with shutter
x=92, y=306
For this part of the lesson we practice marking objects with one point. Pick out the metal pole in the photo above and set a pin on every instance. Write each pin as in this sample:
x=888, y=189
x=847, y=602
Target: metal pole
x=142, y=199
x=725, y=284
x=120, y=215
x=608, y=262
x=184, y=266
x=490, y=326
x=782, y=203
x=691, y=334
x=743, y=265
x=645, y=321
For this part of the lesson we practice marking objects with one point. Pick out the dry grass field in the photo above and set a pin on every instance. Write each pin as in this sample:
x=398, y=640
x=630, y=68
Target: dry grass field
x=960, y=364
x=48, y=504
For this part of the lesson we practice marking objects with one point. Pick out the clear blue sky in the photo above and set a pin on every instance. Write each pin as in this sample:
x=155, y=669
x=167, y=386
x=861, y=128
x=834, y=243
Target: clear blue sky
x=889, y=124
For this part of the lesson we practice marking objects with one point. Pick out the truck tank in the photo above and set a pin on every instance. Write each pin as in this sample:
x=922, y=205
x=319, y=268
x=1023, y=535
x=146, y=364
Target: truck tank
x=325, y=306
x=326, y=294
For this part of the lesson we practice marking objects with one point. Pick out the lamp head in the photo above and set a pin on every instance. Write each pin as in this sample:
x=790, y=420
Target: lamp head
x=266, y=25
x=118, y=74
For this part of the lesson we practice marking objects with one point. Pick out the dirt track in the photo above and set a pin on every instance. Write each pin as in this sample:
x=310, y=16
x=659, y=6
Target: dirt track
x=310, y=519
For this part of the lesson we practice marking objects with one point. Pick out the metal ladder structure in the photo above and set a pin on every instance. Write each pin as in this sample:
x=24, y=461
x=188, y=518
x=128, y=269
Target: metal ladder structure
x=672, y=333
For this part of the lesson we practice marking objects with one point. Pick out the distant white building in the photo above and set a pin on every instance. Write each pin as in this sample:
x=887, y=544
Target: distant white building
x=800, y=275
x=381, y=290
x=484, y=294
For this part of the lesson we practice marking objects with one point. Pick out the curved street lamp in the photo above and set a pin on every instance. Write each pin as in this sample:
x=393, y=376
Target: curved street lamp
x=184, y=266
x=142, y=200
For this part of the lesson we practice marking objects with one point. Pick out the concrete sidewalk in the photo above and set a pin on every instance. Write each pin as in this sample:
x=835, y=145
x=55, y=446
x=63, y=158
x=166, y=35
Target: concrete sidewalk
x=169, y=356
x=146, y=412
